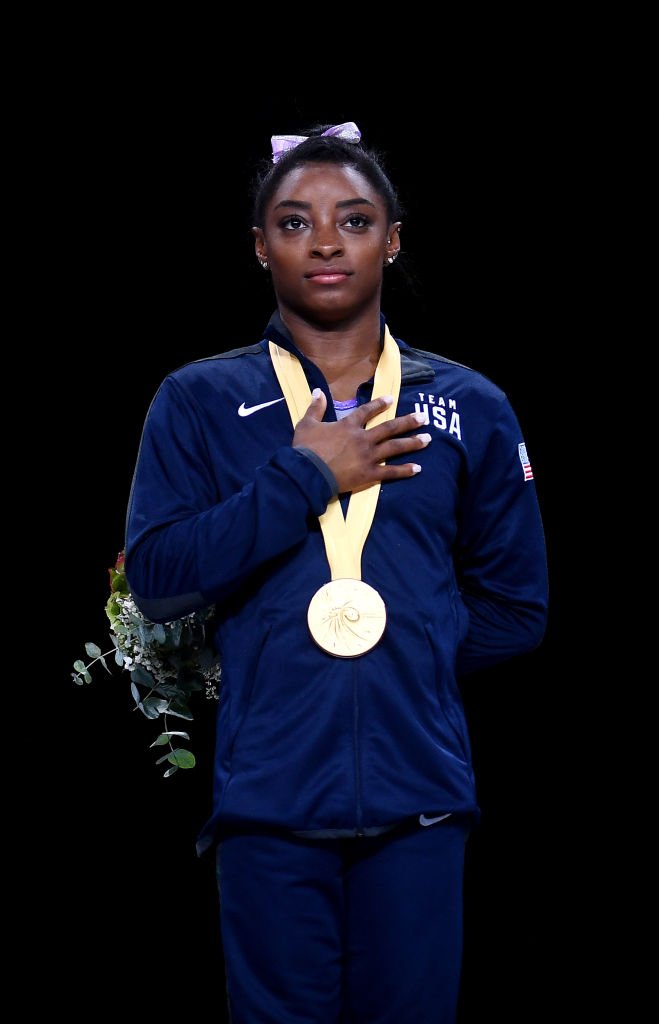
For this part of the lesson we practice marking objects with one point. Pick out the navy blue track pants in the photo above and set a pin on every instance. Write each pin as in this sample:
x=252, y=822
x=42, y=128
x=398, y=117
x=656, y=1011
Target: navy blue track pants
x=343, y=931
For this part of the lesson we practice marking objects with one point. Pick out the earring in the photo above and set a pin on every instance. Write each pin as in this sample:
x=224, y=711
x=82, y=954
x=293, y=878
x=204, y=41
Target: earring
x=263, y=262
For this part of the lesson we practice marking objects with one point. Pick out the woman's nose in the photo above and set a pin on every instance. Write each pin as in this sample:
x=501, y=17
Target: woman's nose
x=326, y=241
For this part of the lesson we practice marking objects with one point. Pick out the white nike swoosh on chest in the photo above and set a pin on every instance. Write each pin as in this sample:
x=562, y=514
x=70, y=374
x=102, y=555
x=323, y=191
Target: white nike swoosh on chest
x=244, y=410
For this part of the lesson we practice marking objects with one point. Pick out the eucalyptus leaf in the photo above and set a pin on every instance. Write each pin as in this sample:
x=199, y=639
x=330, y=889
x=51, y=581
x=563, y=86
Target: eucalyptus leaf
x=77, y=679
x=105, y=665
x=183, y=735
x=165, y=757
x=170, y=771
x=180, y=710
x=142, y=677
x=161, y=740
x=79, y=666
x=93, y=651
x=159, y=633
x=137, y=697
x=119, y=657
x=152, y=707
x=87, y=676
x=182, y=758
x=169, y=690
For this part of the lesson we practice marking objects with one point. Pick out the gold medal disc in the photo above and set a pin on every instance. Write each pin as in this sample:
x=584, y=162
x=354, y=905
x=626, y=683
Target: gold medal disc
x=346, y=617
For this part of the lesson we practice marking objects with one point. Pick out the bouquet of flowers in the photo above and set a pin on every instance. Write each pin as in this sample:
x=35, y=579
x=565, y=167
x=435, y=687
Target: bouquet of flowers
x=167, y=662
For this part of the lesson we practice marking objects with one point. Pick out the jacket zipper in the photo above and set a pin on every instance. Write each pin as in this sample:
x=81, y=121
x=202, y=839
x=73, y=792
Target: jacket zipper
x=358, y=780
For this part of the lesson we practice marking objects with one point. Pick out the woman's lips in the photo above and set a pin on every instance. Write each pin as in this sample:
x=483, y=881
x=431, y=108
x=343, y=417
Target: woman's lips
x=328, y=275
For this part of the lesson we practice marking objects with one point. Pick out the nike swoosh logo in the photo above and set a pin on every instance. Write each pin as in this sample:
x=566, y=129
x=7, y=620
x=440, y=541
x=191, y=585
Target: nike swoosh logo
x=432, y=821
x=244, y=411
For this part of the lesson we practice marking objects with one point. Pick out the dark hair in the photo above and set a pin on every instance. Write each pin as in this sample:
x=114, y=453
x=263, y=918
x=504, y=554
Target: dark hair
x=317, y=149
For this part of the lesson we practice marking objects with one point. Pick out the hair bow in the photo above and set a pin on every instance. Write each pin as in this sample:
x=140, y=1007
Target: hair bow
x=349, y=132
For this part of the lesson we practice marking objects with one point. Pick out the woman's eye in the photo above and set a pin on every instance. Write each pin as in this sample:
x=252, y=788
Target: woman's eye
x=293, y=223
x=357, y=220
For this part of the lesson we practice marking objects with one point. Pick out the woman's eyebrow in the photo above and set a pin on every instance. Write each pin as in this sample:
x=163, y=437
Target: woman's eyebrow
x=297, y=204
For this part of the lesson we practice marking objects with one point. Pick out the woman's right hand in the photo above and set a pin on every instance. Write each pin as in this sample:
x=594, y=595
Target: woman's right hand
x=357, y=456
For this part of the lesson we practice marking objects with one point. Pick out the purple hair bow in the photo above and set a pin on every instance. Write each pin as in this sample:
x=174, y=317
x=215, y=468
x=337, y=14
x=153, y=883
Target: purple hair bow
x=349, y=132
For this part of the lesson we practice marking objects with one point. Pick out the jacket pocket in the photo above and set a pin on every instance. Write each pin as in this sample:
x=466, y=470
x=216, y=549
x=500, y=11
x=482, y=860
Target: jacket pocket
x=448, y=695
x=460, y=613
x=249, y=678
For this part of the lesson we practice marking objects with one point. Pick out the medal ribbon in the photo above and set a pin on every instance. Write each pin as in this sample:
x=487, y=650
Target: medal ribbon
x=344, y=537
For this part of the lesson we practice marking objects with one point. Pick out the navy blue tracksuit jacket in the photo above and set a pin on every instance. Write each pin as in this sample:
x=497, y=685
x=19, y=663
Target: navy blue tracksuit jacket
x=224, y=511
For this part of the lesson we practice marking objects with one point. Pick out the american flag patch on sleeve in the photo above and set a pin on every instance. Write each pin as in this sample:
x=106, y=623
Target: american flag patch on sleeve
x=524, y=459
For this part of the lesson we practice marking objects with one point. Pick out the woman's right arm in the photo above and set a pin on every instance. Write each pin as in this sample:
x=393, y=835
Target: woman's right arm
x=186, y=546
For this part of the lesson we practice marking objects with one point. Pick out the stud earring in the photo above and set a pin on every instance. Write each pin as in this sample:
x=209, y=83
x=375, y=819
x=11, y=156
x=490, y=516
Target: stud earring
x=390, y=259
x=264, y=263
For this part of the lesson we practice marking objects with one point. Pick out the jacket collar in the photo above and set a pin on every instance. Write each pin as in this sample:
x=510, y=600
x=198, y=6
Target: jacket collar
x=414, y=369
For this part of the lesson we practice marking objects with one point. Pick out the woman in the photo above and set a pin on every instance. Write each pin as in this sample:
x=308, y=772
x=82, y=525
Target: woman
x=364, y=518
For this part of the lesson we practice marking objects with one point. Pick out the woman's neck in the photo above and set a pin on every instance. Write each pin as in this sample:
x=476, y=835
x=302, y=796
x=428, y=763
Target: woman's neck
x=346, y=355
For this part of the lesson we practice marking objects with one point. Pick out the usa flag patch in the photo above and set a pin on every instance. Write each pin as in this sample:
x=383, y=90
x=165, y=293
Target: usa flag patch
x=524, y=459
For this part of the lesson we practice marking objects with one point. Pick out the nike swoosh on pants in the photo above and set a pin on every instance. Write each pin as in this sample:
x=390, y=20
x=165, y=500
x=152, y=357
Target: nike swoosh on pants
x=432, y=821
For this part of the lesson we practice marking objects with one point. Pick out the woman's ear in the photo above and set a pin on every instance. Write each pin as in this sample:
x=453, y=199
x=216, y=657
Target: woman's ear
x=260, y=247
x=393, y=241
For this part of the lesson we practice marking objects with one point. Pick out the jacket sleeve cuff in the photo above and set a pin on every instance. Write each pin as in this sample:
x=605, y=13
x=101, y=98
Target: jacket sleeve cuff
x=311, y=476
x=323, y=467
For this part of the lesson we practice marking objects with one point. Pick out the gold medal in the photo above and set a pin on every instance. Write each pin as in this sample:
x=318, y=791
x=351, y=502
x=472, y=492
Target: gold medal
x=346, y=617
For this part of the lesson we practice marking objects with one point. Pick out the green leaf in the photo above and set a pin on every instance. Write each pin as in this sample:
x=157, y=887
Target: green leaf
x=140, y=676
x=170, y=771
x=152, y=707
x=183, y=735
x=169, y=690
x=161, y=740
x=119, y=657
x=87, y=677
x=182, y=758
x=93, y=651
x=77, y=679
x=159, y=633
x=119, y=582
x=105, y=665
x=79, y=666
x=180, y=710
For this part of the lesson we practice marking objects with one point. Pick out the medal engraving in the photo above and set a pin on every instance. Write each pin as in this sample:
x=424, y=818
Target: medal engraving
x=346, y=617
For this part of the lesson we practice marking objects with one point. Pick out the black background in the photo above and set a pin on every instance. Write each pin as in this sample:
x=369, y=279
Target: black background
x=152, y=265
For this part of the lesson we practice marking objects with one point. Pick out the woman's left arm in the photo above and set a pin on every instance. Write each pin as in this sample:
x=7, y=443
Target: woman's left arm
x=500, y=554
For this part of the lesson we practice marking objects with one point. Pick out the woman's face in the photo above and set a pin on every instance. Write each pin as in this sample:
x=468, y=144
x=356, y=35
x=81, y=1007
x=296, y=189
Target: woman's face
x=325, y=238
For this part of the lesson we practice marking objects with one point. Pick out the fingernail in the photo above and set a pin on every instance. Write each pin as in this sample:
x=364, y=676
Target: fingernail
x=426, y=438
x=387, y=399
x=416, y=468
x=420, y=417
x=316, y=393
